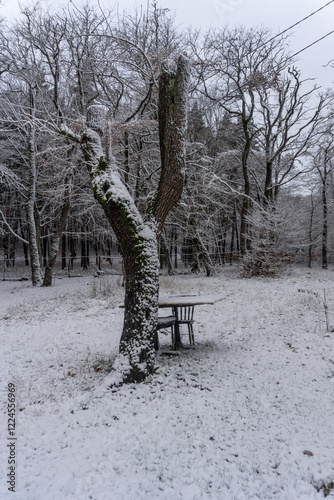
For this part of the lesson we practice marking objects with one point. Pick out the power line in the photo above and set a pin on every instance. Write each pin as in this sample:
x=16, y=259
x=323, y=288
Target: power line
x=287, y=29
x=296, y=24
x=246, y=84
x=292, y=56
x=311, y=44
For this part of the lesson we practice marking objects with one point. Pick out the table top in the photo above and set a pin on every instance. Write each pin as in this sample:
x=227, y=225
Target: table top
x=189, y=300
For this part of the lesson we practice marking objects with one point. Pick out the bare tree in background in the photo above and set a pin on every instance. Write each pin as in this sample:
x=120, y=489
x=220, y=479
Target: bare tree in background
x=323, y=163
x=231, y=64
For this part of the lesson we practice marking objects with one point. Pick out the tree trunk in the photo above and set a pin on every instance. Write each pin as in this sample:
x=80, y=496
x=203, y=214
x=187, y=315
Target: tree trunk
x=268, y=184
x=72, y=246
x=63, y=252
x=175, y=249
x=224, y=236
x=138, y=237
x=173, y=101
x=138, y=245
x=324, y=225
x=126, y=159
x=246, y=204
x=168, y=252
x=55, y=241
x=33, y=230
x=310, y=233
x=83, y=250
x=45, y=245
x=201, y=256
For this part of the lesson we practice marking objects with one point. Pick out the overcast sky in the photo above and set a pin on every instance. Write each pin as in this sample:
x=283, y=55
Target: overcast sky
x=275, y=14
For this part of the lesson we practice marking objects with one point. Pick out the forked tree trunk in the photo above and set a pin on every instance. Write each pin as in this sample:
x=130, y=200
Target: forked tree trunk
x=137, y=236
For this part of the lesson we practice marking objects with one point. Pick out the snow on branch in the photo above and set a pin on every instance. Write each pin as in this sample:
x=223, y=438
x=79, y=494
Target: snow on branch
x=8, y=177
x=106, y=181
x=96, y=117
x=65, y=130
x=169, y=67
x=11, y=230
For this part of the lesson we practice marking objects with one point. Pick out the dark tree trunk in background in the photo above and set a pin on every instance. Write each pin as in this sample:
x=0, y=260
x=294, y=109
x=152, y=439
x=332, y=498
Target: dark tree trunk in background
x=324, y=226
x=63, y=252
x=55, y=240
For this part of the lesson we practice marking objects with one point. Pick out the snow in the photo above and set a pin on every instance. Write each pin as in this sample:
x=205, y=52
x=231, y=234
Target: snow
x=189, y=300
x=169, y=66
x=95, y=144
x=96, y=117
x=247, y=413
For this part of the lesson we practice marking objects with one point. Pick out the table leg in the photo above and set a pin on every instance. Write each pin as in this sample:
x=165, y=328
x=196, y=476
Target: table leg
x=177, y=337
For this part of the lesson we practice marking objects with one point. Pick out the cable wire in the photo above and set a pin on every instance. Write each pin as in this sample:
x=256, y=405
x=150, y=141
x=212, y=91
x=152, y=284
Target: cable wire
x=296, y=53
x=296, y=24
x=287, y=29
x=311, y=44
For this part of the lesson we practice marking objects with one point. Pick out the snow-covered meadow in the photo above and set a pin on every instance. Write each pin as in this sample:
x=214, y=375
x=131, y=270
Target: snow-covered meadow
x=247, y=413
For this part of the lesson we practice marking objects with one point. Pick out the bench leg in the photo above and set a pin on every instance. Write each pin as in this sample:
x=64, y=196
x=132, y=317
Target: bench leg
x=156, y=341
x=191, y=334
x=177, y=344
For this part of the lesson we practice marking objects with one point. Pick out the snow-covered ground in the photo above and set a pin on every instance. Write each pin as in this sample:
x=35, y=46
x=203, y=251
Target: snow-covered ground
x=248, y=413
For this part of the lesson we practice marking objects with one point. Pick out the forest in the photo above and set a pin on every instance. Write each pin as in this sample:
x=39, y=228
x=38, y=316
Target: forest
x=130, y=146
x=258, y=185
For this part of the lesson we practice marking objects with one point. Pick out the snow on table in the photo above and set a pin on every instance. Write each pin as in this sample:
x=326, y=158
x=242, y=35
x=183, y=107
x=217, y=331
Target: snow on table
x=189, y=300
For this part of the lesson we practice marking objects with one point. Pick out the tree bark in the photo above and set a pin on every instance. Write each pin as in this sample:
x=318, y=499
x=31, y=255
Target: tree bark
x=324, y=224
x=138, y=245
x=173, y=102
x=33, y=230
x=47, y=281
x=137, y=236
x=246, y=203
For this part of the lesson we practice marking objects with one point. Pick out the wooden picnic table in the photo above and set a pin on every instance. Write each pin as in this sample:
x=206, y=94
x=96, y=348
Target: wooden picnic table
x=176, y=302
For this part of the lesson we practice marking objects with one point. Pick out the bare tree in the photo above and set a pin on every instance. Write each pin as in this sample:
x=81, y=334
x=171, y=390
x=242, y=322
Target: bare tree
x=232, y=64
x=289, y=118
x=137, y=235
x=19, y=119
x=246, y=73
x=323, y=163
x=31, y=90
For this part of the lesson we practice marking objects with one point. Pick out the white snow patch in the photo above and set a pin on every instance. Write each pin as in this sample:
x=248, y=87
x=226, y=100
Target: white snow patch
x=228, y=419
